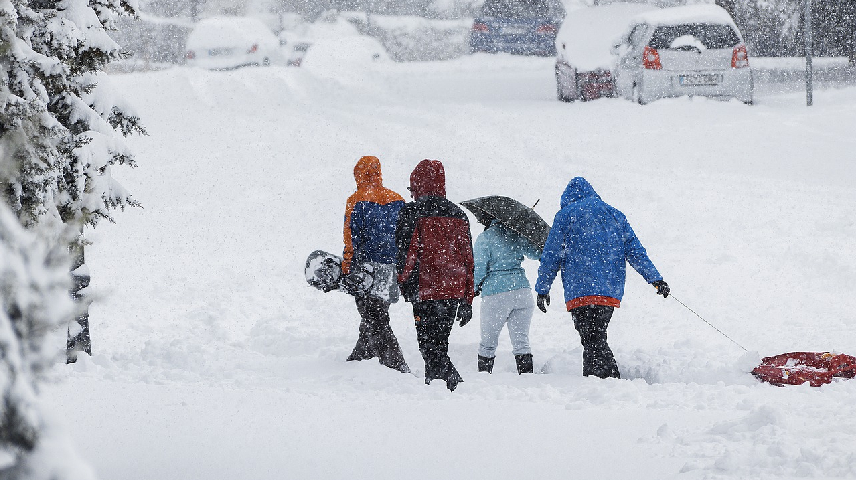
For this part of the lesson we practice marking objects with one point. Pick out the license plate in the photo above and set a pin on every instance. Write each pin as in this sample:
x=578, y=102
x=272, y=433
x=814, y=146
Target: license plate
x=697, y=79
x=514, y=31
x=215, y=52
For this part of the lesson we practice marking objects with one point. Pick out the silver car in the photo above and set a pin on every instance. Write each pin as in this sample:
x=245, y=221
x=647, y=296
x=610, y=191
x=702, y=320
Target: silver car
x=683, y=51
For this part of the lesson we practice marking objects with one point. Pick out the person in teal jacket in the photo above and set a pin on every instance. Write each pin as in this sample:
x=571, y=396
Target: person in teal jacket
x=506, y=294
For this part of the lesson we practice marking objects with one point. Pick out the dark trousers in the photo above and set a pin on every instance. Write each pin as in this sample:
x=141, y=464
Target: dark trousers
x=434, y=321
x=376, y=336
x=591, y=322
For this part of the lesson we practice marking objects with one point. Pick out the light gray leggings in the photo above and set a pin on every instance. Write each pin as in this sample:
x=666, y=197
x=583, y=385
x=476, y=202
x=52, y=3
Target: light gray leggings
x=515, y=308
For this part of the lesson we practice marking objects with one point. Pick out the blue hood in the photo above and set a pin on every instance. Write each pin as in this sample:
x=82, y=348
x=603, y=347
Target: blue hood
x=578, y=189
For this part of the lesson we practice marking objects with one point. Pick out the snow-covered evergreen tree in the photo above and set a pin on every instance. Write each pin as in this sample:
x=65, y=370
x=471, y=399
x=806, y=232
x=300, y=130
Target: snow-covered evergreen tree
x=61, y=126
x=34, y=302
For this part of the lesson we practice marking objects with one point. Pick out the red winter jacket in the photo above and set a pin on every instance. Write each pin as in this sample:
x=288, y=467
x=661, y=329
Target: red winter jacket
x=435, y=252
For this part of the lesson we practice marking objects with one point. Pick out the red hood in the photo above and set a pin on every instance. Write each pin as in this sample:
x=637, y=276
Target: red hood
x=428, y=179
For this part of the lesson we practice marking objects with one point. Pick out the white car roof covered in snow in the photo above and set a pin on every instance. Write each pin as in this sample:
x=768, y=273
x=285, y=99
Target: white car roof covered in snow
x=229, y=31
x=712, y=14
x=587, y=35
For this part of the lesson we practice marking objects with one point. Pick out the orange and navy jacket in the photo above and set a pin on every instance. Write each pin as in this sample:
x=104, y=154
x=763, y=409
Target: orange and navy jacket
x=435, y=250
x=371, y=215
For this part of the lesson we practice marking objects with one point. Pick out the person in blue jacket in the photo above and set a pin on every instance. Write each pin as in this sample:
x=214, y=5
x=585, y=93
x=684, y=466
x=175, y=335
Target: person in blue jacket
x=506, y=294
x=591, y=242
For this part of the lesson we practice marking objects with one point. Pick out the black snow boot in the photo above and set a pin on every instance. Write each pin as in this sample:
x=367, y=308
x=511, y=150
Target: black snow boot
x=524, y=363
x=486, y=364
x=453, y=381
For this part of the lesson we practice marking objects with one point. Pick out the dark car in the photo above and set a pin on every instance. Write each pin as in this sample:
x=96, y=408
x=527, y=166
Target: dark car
x=521, y=27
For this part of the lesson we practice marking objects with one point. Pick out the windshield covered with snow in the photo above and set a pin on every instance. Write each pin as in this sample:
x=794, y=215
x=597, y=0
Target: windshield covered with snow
x=706, y=34
x=516, y=8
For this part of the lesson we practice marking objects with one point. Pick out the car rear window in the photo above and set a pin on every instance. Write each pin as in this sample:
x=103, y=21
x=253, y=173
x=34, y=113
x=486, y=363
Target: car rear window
x=710, y=35
x=516, y=8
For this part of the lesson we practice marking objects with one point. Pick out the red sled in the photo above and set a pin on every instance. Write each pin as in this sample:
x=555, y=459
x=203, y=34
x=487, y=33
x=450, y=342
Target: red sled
x=797, y=368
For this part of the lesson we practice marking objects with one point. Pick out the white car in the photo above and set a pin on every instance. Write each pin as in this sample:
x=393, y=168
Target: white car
x=346, y=54
x=584, y=61
x=225, y=43
x=683, y=51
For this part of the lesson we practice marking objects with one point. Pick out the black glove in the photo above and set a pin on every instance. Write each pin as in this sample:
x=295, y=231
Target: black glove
x=465, y=313
x=543, y=301
x=662, y=288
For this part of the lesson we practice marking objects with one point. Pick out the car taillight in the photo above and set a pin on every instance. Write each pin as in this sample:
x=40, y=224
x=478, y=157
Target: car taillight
x=547, y=28
x=190, y=55
x=651, y=58
x=740, y=57
x=254, y=48
x=480, y=27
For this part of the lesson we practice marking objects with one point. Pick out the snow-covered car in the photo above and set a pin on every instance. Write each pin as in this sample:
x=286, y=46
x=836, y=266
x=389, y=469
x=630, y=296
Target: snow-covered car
x=224, y=43
x=297, y=52
x=692, y=50
x=522, y=27
x=584, y=60
x=347, y=53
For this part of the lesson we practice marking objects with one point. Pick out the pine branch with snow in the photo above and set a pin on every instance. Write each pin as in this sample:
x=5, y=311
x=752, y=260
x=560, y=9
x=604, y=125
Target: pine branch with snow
x=34, y=305
x=61, y=125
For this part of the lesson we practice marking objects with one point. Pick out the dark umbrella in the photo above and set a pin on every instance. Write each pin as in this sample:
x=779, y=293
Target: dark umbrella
x=512, y=214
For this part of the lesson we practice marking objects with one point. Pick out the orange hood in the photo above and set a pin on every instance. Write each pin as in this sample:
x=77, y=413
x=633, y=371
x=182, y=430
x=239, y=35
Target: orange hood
x=367, y=173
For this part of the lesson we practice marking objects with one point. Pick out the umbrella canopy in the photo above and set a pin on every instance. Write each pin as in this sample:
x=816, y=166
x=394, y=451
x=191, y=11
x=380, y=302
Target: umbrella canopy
x=512, y=214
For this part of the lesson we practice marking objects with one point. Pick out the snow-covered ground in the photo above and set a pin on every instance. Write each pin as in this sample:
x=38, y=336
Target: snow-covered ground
x=214, y=360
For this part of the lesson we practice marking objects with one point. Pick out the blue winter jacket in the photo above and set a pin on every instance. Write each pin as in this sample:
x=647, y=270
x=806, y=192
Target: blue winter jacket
x=371, y=215
x=498, y=253
x=591, y=242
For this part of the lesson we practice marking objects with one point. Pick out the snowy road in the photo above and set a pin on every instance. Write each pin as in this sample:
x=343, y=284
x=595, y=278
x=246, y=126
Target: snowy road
x=213, y=359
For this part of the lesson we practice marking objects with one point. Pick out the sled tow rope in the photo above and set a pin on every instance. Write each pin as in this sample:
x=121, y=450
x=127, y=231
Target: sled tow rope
x=711, y=325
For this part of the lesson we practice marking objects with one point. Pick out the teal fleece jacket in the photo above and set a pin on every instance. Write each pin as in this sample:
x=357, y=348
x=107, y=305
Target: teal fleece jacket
x=498, y=254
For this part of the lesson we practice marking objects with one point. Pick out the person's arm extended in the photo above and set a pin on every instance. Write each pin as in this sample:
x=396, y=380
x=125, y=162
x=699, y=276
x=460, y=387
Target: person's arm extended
x=552, y=256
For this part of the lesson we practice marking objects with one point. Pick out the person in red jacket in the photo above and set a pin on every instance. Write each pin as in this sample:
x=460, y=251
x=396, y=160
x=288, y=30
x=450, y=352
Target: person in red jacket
x=371, y=216
x=435, y=267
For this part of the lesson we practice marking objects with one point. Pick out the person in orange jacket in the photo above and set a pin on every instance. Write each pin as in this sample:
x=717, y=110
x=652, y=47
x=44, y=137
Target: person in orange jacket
x=371, y=215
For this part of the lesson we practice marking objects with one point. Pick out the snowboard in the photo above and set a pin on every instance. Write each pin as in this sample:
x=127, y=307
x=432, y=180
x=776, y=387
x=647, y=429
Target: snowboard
x=324, y=272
